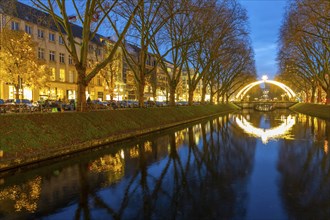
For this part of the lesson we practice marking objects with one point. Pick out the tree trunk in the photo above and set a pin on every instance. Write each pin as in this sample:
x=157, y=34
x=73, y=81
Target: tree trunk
x=203, y=94
x=307, y=96
x=172, y=95
x=81, y=96
x=141, y=93
x=328, y=97
x=211, y=98
x=17, y=91
x=319, y=95
x=211, y=94
x=191, y=96
x=313, y=95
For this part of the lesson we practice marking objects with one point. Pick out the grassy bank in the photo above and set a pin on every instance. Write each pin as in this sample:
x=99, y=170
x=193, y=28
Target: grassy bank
x=27, y=138
x=317, y=110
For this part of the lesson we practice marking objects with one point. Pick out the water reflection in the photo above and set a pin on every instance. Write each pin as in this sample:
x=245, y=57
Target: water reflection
x=268, y=134
x=201, y=171
x=305, y=170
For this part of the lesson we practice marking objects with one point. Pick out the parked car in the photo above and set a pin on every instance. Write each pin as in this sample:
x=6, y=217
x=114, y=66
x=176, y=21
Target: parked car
x=97, y=104
x=129, y=104
x=181, y=103
x=113, y=104
x=2, y=106
x=161, y=104
x=17, y=105
x=149, y=103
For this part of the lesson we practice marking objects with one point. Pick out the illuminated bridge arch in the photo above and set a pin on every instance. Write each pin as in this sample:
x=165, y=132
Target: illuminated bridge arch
x=243, y=91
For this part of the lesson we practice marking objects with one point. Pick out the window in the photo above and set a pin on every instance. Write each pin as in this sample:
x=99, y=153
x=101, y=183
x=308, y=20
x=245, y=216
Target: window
x=90, y=48
x=53, y=74
x=41, y=53
x=60, y=40
x=99, y=81
x=61, y=57
x=14, y=26
x=40, y=33
x=70, y=76
x=62, y=75
x=98, y=51
x=52, y=37
x=70, y=60
x=51, y=55
x=28, y=29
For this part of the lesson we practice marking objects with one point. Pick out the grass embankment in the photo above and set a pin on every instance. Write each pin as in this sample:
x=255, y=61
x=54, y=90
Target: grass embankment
x=28, y=138
x=317, y=110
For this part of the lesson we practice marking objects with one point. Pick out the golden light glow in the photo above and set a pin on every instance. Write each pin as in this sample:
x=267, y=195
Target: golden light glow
x=108, y=163
x=22, y=197
x=326, y=147
x=134, y=152
x=267, y=134
x=147, y=146
x=243, y=91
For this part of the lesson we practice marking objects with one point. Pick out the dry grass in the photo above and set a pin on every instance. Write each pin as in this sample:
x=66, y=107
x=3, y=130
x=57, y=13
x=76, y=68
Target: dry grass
x=317, y=110
x=26, y=133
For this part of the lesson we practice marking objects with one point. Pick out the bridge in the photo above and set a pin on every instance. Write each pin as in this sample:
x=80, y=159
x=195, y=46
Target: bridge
x=264, y=105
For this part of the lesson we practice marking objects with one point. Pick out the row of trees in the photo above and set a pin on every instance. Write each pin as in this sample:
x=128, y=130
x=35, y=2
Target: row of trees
x=206, y=39
x=304, y=54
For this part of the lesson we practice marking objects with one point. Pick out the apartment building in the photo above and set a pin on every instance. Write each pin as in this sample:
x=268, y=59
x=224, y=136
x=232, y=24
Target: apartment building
x=51, y=49
x=114, y=82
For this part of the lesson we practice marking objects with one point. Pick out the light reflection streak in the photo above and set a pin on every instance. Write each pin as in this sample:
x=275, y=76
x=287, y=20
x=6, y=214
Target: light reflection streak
x=326, y=147
x=267, y=134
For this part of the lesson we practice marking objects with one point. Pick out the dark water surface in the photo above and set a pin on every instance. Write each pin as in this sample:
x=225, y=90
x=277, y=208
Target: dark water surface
x=247, y=165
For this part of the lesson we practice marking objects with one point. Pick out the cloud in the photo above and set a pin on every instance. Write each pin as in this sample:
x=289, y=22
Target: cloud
x=265, y=48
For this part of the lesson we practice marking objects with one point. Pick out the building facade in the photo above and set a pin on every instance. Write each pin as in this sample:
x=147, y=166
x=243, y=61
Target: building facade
x=114, y=82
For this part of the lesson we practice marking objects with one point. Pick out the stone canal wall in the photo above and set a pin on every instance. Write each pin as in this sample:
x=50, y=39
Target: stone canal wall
x=317, y=110
x=29, y=138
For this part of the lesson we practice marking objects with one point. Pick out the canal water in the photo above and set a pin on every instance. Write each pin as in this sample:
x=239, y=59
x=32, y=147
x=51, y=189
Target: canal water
x=245, y=165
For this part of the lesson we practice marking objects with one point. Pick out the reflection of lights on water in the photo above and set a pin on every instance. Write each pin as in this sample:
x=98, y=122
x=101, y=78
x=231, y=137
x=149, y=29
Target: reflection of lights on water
x=122, y=155
x=266, y=134
x=147, y=146
x=326, y=147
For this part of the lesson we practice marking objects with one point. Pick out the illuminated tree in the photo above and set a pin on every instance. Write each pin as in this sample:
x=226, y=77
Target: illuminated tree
x=20, y=66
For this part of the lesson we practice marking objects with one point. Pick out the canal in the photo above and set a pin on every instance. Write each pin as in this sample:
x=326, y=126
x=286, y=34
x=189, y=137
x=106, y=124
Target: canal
x=245, y=165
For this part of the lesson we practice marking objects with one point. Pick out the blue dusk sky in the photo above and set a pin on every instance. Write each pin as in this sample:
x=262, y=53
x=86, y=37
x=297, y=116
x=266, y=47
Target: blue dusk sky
x=265, y=18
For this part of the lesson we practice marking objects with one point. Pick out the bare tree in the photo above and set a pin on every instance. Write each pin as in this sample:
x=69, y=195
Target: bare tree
x=149, y=20
x=91, y=15
x=171, y=44
x=304, y=43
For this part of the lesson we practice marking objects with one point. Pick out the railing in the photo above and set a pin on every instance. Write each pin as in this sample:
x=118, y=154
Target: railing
x=274, y=104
